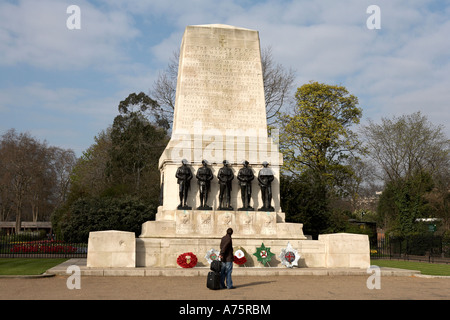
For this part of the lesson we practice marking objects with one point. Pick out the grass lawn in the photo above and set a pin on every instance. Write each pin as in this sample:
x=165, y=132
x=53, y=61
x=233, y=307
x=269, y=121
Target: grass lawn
x=435, y=269
x=27, y=266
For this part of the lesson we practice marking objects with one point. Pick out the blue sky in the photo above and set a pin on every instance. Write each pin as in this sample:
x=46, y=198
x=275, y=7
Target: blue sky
x=64, y=86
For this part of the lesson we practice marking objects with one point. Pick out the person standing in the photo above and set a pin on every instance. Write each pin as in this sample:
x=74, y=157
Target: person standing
x=226, y=255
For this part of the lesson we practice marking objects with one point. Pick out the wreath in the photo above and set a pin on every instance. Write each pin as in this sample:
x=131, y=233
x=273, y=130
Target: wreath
x=239, y=257
x=289, y=256
x=263, y=254
x=187, y=260
x=212, y=255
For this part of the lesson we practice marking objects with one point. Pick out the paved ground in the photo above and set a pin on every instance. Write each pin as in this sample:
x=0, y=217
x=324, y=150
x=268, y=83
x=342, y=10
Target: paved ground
x=247, y=288
x=251, y=284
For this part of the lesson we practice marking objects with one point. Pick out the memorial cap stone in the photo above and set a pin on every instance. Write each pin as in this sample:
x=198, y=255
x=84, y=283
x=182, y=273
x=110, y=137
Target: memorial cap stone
x=220, y=81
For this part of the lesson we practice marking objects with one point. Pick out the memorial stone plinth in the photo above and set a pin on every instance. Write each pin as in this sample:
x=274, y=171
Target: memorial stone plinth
x=220, y=169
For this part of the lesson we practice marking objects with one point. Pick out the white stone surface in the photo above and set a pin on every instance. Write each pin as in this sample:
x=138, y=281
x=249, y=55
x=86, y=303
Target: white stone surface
x=163, y=252
x=346, y=250
x=341, y=250
x=111, y=249
x=214, y=223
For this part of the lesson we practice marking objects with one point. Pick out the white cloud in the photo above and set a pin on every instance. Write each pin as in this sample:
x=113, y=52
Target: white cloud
x=402, y=68
x=35, y=33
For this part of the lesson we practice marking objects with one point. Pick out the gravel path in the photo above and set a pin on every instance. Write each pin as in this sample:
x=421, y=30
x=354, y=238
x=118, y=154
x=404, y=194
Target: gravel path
x=247, y=288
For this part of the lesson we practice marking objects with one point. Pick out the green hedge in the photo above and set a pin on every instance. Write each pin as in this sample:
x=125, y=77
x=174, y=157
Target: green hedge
x=97, y=214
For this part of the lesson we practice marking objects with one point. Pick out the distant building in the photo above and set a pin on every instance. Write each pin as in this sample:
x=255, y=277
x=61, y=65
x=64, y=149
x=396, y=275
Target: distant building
x=9, y=227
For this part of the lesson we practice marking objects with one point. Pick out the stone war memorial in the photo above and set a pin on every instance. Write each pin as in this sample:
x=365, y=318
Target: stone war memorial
x=221, y=170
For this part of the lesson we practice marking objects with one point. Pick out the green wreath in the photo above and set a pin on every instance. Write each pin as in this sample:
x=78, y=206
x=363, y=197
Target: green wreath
x=263, y=254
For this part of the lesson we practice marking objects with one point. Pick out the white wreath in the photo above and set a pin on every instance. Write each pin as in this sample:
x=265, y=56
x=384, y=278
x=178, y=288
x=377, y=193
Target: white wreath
x=285, y=252
x=210, y=253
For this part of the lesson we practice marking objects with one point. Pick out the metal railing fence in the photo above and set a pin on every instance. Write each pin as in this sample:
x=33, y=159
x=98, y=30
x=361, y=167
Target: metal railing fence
x=427, y=248
x=39, y=246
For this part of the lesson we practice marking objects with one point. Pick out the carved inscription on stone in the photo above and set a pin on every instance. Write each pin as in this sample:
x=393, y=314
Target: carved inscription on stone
x=204, y=222
x=221, y=82
x=247, y=220
x=184, y=223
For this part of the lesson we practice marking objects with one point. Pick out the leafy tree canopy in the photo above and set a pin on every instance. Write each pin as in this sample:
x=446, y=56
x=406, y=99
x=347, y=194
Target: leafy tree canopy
x=317, y=134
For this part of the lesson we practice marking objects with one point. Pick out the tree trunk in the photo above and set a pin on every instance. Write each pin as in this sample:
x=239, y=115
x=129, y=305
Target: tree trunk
x=18, y=219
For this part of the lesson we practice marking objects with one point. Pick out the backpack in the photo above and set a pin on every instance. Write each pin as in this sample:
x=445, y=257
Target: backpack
x=216, y=265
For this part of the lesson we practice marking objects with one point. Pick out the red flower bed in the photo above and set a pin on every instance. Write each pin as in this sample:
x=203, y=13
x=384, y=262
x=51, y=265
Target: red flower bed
x=43, y=246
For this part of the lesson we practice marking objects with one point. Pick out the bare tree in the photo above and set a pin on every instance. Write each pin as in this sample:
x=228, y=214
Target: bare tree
x=42, y=181
x=17, y=153
x=63, y=162
x=403, y=145
x=278, y=83
x=164, y=88
x=33, y=177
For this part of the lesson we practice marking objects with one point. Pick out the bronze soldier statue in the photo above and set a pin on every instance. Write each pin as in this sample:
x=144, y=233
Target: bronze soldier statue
x=184, y=176
x=225, y=177
x=265, y=178
x=245, y=177
x=204, y=176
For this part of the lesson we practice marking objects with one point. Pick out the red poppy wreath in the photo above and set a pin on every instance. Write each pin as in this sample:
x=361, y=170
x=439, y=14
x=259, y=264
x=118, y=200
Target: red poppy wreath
x=187, y=260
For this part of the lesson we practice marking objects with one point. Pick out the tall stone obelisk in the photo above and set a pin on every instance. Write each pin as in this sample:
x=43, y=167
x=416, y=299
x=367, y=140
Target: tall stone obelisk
x=219, y=115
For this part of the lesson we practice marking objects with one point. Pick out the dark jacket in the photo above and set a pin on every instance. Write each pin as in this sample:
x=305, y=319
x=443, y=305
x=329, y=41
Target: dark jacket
x=226, y=248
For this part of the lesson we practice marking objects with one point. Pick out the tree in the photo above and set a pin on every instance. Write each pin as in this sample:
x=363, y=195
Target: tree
x=403, y=145
x=144, y=105
x=305, y=201
x=124, y=158
x=277, y=86
x=115, y=183
x=88, y=177
x=136, y=145
x=406, y=148
x=62, y=161
x=164, y=88
x=319, y=148
x=317, y=135
x=360, y=188
x=23, y=169
x=33, y=177
x=404, y=200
